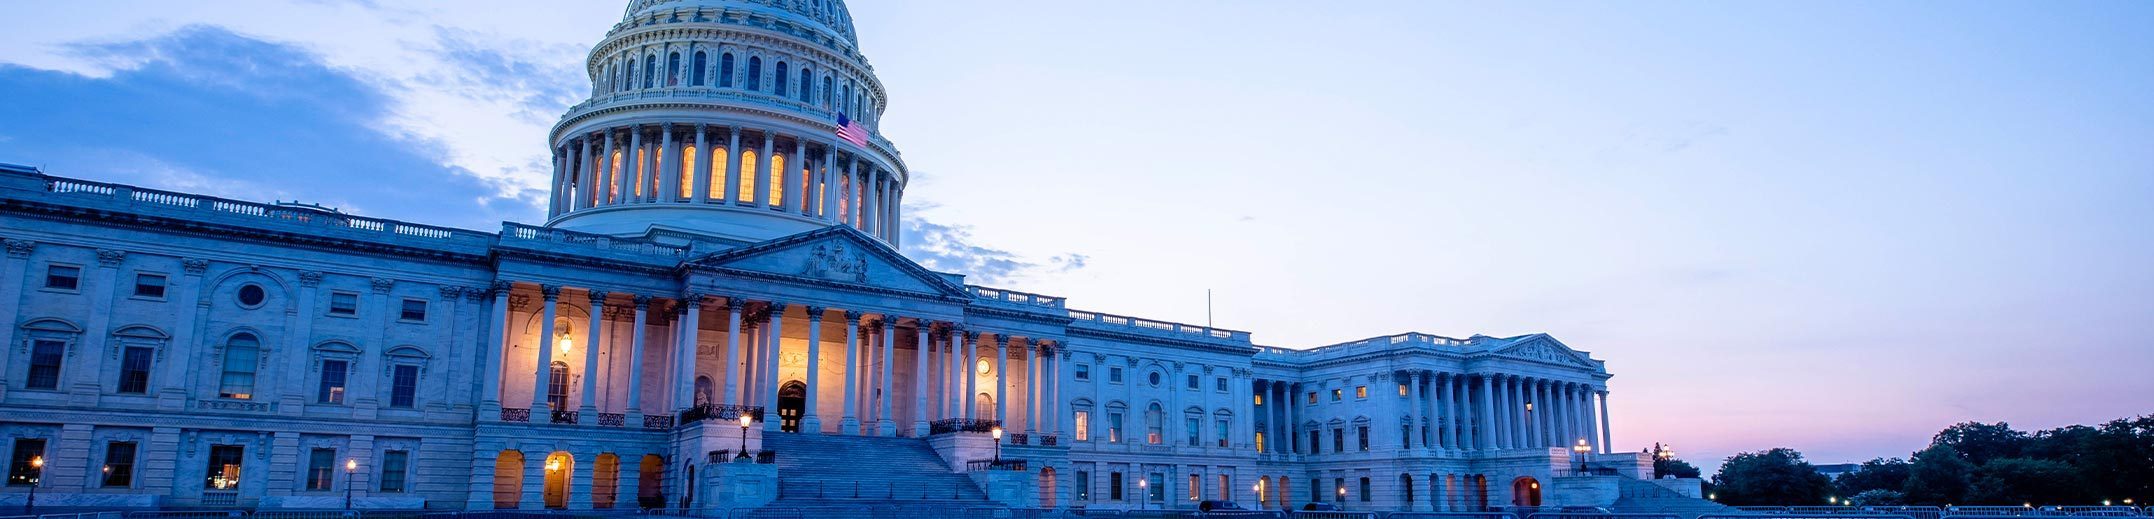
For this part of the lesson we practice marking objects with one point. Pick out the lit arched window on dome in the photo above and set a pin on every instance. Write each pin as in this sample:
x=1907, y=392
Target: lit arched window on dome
x=810, y=199
x=777, y=85
x=845, y=198
x=613, y=189
x=688, y=171
x=658, y=161
x=695, y=78
x=777, y=179
x=637, y=190
x=755, y=73
x=747, y=171
x=725, y=70
x=650, y=70
x=673, y=69
x=718, y=173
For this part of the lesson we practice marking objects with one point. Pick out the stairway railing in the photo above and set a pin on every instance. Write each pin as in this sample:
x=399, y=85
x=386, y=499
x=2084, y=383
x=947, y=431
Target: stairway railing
x=876, y=490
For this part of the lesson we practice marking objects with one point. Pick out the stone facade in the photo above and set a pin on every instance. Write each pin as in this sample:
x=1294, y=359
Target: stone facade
x=173, y=349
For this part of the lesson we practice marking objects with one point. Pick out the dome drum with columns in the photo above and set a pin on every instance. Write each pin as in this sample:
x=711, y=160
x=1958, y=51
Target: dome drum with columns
x=721, y=118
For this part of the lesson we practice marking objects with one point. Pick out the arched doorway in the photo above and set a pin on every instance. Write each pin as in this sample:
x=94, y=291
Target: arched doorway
x=983, y=406
x=1047, y=487
x=1262, y=489
x=1406, y=482
x=558, y=467
x=650, y=477
x=1525, y=491
x=792, y=403
x=508, y=479
x=605, y=481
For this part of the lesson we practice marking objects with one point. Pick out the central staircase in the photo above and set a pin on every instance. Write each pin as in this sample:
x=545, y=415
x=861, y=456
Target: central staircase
x=836, y=470
x=1644, y=497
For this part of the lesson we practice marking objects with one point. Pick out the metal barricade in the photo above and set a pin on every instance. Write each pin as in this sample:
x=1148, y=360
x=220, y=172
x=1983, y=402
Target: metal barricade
x=1917, y=512
x=1818, y=514
x=1331, y=514
x=186, y=514
x=1598, y=515
x=1449, y=515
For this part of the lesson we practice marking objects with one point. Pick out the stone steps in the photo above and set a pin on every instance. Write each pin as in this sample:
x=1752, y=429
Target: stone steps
x=838, y=469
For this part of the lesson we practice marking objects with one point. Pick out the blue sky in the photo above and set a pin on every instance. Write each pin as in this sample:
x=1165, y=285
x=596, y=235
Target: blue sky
x=1831, y=226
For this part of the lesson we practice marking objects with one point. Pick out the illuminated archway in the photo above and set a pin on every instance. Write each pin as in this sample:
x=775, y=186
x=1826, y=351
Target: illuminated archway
x=1525, y=491
x=508, y=479
x=559, y=466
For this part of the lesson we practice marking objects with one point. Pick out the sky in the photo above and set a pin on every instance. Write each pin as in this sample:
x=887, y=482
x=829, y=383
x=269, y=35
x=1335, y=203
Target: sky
x=1832, y=226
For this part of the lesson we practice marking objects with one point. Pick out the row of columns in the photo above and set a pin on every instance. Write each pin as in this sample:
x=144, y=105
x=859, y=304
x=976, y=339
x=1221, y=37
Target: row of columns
x=1456, y=412
x=649, y=164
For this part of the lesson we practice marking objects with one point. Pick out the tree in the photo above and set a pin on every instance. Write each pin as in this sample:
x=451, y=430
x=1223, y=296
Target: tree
x=1980, y=442
x=1777, y=477
x=1877, y=474
x=1938, y=476
x=2012, y=481
x=1674, y=467
x=1878, y=497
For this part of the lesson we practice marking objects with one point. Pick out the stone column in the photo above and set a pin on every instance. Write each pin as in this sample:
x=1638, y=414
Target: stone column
x=774, y=332
x=803, y=177
x=1606, y=443
x=490, y=374
x=824, y=186
x=762, y=171
x=1002, y=381
x=1484, y=414
x=687, y=352
x=668, y=175
x=587, y=412
x=632, y=162
x=545, y=349
x=1032, y=389
x=919, y=377
x=885, y=425
x=772, y=379
x=1054, y=355
x=634, y=412
x=850, y=424
x=606, y=173
x=971, y=350
x=809, y=422
x=732, y=165
x=1415, y=415
x=734, y=367
x=172, y=380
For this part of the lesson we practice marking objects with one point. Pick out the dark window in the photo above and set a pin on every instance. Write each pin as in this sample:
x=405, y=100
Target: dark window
x=392, y=471
x=150, y=285
x=725, y=70
x=1114, y=375
x=242, y=355
x=414, y=310
x=807, y=80
x=119, y=470
x=650, y=71
x=1084, y=486
x=321, y=469
x=755, y=73
x=673, y=69
x=222, y=471
x=1195, y=383
x=695, y=77
x=1222, y=429
x=826, y=91
x=1114, y=485
x=20, y=471
x=1361, y=434
x=629, y=80
x=1312, y=397
x=343, y=303
x=1084, y=372
x=1316, y=442
x=45, y=357
x=252, y=295
x=62, y=277
x=404, y=386
x=1338, y=394
x=1338, y=439
x=135, y=370
x=1364, y=489
x=1221, y=385
x=777, y=82
x=1153, y=489
x=1406, y=436
x=1192, y=425
x=1152, y=378
x=332, y=390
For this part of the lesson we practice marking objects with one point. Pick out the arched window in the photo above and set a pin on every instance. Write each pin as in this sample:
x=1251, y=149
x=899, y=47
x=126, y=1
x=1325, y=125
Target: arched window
x=557, y=387
x=826, y=92
x=847, y=100
x=747, y=176
x=650, y=70
x=778, y=83
x=613, y=190
x=673, y=69
x=1155, y=424
x=807, y=79
x=777, y=179
x=845, y=198
x=612, y=70
x=718, y=154
x=725, y=70
x=639, y=176
x=695, y=77
x=755, y=73
x=628, y=80
x=688, y=171
x=242, y=355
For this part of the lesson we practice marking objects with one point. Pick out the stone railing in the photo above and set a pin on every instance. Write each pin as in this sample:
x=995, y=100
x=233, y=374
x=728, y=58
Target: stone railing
x=1015, y=298
x=1152, y=327
x=515, y=414
x=730, y=414
x=1001, y=464
x=1049, y=440
x=727, y=456
x=512, y=231
x=657, y=422
x=1020, y=439
x=611, y=419
x=1413, y=340
x=213, y=208
x=963, y=425
x=567, y=417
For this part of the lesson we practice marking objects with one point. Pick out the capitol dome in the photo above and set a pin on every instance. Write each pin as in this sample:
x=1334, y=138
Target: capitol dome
x=742, y=120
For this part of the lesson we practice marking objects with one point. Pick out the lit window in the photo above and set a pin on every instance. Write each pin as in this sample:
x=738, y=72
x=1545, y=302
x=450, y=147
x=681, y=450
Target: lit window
x=321, y=474
x=1337, y=395
x=1084, y=426
x=1221, y=430
x=222, y=471
x=688, y=164
x=332, y=386
x=1155, y=425
x=1312, y=397
x=557, y=387
x=747, y=176
x=150, y=285
x=62, y=277
x=1260, y=441
x=1114, y=427
x=718, y=172
x=1260, y=399
x=20, y=470
x=343, y=303
x=413, y=310
x=777, y=178
x=1402, y=390
x=1361, y=391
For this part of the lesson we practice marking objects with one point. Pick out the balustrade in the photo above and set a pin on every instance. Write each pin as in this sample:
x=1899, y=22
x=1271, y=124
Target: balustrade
x=515, y=414
x=968, y=425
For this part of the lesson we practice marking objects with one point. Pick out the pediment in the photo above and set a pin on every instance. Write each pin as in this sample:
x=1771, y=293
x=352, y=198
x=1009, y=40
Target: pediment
x=832, y=255
x=1541, y=347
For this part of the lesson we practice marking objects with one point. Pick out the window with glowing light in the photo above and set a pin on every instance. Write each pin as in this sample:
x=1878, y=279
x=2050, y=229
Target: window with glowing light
x=717, y=167
x=688, y=172
x=747, y=176
x=777, y=179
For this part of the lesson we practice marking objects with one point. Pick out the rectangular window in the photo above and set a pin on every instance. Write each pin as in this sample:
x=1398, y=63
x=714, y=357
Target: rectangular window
x=1114, y=486
x=1195, y=383
x=1340, y=485
x=343, y=303
x=1338, y=394
x=150, y=285
x=403, y=386
x=1338, y=440
x=1222, y=429
x=135, y=370
x=1364, y=490
x=1154, y=490
x=1084, y=426
x=414, y=310
x=1406, y=436
x=20, y=471
x=1402, y=390
x=321, y=469
x=1312, y=397
x=1114, y=375
x=1260, y=399
x=1220, y=385
x=1114, y=427
x=1226, y=488
x=1361, y=434
x=1260, y=441
x=1084, y=486
x=1084, y=372
x=1192, y=426
x=1196, y=487
x=392, y=471
x=119, y=469
x=1316, y=442
x=1361, y=391
x=222, y=471
x=45, y=356
x=333, y=374
x=63, y=277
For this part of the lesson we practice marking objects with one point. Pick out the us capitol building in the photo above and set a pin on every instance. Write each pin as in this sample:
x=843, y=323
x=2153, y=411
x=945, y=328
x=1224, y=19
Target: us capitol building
x=715, y=315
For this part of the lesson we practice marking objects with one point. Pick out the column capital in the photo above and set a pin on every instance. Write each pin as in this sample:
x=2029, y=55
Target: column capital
x=598, y=297
x=451, y=292
x=643, y=302
x=776, y=308
x=549, y=292
x=195, y=266
x=852, y=316
x=500, y=288
x=735, y=303
x=693, y=299
x=890, y=322
x=815, y=314
x=22, y=248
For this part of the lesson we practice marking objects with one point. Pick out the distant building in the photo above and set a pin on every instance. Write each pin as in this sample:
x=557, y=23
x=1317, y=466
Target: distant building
x=716, y=245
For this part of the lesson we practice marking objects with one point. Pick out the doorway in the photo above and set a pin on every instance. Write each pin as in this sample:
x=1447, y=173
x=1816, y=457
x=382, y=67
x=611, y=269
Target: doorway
x=792, y=404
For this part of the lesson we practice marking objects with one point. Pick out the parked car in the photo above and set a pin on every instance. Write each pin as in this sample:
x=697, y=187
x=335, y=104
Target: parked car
x=1214, y=504
x=1319, y=506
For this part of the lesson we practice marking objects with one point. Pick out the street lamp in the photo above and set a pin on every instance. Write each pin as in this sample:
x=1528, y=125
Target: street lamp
x=997, y=433
x=351, y=465
x=1257, y=491
x=1581, y=449
x=745, y=421
x=1342, y=498
x=1144, y=492
x=37, y=464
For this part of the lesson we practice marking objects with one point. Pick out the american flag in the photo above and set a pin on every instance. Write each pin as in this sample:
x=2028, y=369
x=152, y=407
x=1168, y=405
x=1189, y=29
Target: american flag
x=852, y=132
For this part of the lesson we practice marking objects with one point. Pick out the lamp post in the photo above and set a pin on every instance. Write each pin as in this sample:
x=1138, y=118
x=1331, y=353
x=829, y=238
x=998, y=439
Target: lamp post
x=1342, y=497
x=745, y=421
x=1257, y=491
x=37, y=464
x=1144, y=492
x=351, y=466
x=1581, y=449
x=997, y=433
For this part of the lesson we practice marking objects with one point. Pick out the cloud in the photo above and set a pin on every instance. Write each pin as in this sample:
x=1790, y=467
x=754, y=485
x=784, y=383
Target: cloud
x=203, y=109
x=949, y=248
x=538, y=78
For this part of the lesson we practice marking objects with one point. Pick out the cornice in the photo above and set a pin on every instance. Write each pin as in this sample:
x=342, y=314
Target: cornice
x=218, y=230
x=688, y=267
x=1131, y=337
